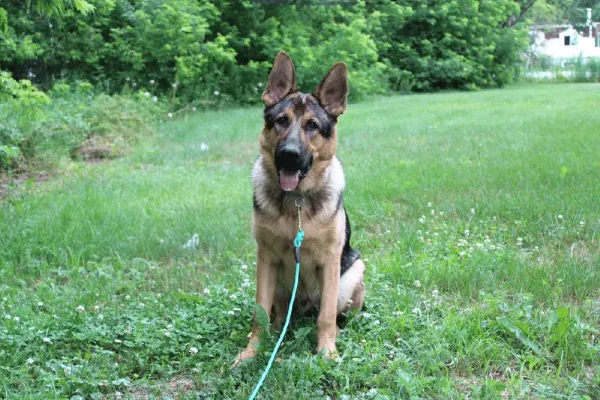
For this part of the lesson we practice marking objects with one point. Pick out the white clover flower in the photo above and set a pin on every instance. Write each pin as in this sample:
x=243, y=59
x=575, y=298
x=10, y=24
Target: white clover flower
x=233, y=297
x=147, y=94
x=429, y=205
x=100, y=317
x=155, y=99
x=462, y=253
x=259, y=84
x=174, y=86
x=127, y=297
x=8, y=316
x=46, y=340
x=244, y=267
x=416, y=311
x=167, y=334
x=170, y=115
x=206, y=291
x=418, y=283
x=441, y=213
x=432, y=212
x=80, y=308
x=152, y=81
x=142, y=305
x=467, y=232
x=40, y=304
x=67, y=370
x=217, y=93
x=582, y=224
x=30, y=361
x=422, y=219
x=193, y=351
x=435, y=293
x=376, y=322
x=472, y=211
x=193, y=108
x=96, y=308
x=128, y=79
x=225, y=291
x=170, y=327
x=203, y=147
x=134, y=84
x=231, y=312
x=16, y=319
x=560, y=216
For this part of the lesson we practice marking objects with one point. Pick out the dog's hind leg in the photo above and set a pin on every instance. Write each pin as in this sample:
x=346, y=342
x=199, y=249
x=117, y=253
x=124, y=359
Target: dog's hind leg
x=352, y=287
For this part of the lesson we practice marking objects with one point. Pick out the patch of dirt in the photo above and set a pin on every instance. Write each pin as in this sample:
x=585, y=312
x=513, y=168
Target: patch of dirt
x=581, y=251
x=98, y=149
x=12, y=183
x=175, y=388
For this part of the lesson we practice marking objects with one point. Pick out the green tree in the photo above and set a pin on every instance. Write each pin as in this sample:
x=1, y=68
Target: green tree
x=49, y=8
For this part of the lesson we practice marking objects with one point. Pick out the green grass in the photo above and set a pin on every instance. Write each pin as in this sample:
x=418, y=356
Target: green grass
x=509, y=309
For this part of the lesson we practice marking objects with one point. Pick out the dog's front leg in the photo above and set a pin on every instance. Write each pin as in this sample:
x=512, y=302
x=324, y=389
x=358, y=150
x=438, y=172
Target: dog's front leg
x=266, y=282
x=329, y=280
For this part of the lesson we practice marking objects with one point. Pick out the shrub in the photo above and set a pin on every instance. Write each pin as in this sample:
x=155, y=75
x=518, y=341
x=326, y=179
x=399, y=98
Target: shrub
x=21, y=110
x=69, y=124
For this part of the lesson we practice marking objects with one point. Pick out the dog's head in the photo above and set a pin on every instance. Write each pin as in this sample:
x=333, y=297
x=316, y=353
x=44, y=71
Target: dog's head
x=299, y=136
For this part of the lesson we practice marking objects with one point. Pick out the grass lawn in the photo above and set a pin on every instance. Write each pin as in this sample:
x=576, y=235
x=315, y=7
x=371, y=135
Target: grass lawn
x=477, y=215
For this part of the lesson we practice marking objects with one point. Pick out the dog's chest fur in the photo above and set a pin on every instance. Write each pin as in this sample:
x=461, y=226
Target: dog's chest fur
x=275, y=224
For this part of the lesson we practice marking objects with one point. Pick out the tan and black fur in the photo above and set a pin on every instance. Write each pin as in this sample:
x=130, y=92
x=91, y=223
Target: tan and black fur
x=300, y=137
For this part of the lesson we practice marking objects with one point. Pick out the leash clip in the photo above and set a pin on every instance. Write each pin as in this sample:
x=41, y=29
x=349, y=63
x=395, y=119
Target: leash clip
x=299, y=203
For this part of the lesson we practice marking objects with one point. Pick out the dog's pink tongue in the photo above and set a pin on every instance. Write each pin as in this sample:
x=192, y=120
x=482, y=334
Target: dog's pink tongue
x=289, y=180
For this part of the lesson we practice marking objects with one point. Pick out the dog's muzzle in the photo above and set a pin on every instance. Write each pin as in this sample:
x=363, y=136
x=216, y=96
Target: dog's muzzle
x=292, y=163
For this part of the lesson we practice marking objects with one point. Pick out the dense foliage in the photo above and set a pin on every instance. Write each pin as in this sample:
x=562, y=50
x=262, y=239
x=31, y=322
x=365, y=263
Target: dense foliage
x=215, y=51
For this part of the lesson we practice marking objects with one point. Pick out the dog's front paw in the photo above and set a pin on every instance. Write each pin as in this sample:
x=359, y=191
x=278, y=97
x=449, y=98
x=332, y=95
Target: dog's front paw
x=329, y=351
x=249, y=352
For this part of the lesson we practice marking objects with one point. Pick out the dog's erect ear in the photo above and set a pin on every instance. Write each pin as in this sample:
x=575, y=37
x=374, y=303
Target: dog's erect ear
x=332, y=92
x=282, y=80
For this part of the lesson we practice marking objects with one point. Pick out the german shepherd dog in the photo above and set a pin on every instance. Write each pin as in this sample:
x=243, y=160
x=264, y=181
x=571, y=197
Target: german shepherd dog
x=297, y=163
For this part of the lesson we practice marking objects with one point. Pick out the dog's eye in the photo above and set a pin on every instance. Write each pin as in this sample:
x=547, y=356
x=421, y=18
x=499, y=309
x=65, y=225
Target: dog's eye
x=281, y=120
x=311, y=126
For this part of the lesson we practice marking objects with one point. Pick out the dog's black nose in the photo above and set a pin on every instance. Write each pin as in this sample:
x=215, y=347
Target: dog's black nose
x=291, y=156
x=290, y=153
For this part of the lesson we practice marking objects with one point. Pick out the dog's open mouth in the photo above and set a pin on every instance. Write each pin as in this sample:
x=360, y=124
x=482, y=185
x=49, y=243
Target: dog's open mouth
x=288, y=180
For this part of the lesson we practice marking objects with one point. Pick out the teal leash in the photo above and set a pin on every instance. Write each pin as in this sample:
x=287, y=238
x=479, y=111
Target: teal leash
x=297, y=244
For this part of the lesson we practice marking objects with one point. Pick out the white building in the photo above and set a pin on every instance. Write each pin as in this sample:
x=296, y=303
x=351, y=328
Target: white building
x=567, y=41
